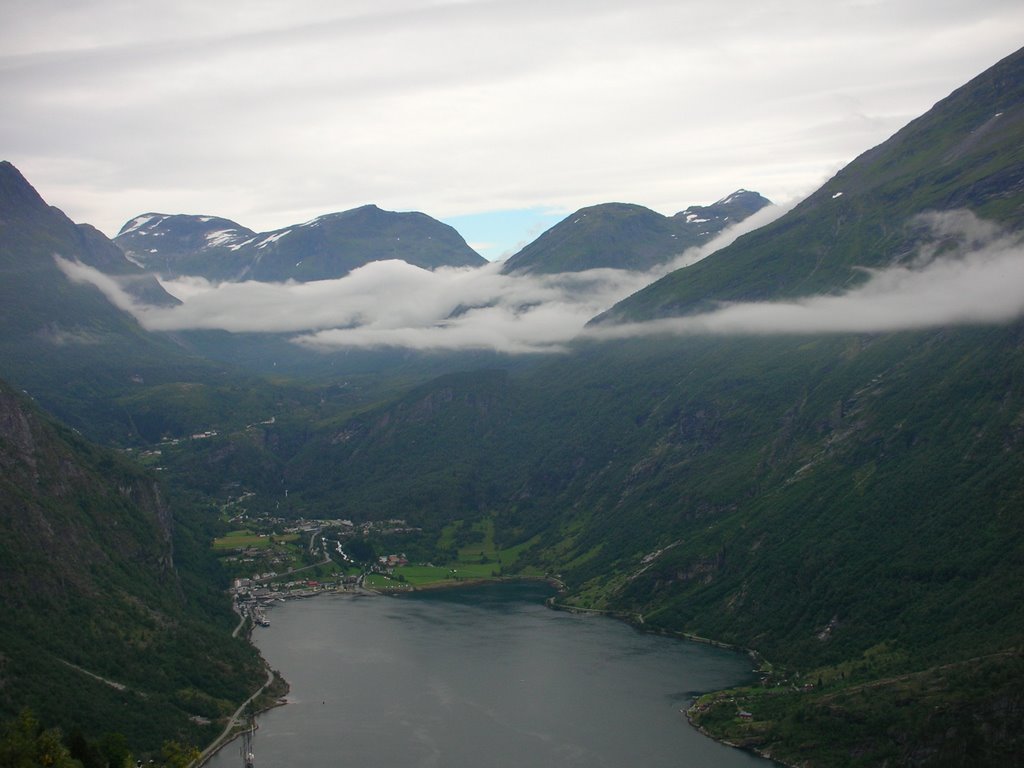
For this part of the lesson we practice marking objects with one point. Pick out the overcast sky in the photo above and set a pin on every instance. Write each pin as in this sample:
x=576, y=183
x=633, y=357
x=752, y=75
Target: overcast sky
x=499, y=116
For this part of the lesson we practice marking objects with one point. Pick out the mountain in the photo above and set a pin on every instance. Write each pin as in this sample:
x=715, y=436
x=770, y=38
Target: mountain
x=625, y=236
x=161, y=243
x=62, y=339
x=89, y=362
x=23, y=211
x=965, y=153
x=846, y=504
x=111, y=619
x=327, y=247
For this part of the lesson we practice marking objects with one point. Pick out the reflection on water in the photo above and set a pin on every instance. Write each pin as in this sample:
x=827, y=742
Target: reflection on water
x=481, y=676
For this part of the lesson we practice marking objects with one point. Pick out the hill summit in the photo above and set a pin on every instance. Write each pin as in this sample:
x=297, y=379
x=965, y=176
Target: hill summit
x=628, y=236
x=326, y=247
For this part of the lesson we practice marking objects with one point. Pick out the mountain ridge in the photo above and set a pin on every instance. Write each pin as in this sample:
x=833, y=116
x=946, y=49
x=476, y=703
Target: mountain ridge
x=326, y=247
x=965, y=152
x=63, y=340
x=628, y=236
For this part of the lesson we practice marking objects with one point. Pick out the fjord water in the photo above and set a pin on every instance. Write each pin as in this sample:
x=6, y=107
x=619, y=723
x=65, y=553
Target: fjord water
x=481, y=676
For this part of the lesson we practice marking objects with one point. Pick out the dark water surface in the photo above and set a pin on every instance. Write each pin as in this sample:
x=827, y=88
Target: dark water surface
x=482, y=676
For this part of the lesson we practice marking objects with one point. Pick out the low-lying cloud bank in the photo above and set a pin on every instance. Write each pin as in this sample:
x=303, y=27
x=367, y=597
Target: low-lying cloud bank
x=969, y=272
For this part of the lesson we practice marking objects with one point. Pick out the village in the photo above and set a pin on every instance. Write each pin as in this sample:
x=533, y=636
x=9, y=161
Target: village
x=274, y=559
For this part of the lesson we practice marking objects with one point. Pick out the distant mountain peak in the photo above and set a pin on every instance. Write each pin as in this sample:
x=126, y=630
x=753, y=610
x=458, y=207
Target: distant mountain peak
x=141, y=221
x=16, y=192
x=24, y=216
x=325, y=247
x=737, y=194
x=629, y=236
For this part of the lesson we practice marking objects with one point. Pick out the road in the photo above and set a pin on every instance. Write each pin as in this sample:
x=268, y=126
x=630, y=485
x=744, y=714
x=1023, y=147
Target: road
x=226, y=734
x=241, y=619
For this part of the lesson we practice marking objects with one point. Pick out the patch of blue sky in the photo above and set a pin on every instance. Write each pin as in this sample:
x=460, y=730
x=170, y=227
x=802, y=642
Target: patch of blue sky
x=496, y=235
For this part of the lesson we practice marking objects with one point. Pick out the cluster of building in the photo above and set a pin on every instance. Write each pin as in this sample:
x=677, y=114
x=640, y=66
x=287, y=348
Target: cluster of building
x=248, y=592
x=392, y=561
x=313, y=525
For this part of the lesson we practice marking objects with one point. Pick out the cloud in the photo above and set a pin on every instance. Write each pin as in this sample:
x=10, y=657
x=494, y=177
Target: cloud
x=390, y=303
x=110, y=286
x=271, y=113
x=967, y=271
x=728, y=236
x=504, y=313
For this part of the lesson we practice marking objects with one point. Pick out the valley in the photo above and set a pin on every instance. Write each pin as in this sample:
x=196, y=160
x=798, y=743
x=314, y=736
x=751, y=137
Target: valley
x=808, y=443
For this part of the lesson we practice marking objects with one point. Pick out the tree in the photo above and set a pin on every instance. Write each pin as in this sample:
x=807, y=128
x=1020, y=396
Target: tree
x=178, y=755
x=25, y=744
x=113, y=749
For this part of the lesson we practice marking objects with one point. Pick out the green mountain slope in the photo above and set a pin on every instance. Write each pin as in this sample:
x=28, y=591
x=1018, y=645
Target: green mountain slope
x=111, y=620
x=848, y=505
x=967, y=152
x=448, y=440
x=625, y=236
x=62, y=340
x=327, y=247
x=86, y=361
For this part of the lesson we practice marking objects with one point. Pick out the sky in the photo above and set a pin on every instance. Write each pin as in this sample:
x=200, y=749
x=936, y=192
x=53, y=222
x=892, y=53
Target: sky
x=497, y=116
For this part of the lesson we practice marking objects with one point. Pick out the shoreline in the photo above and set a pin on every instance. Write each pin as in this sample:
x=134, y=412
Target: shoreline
x=205, y=757
x=234, y=729
x=637, y=622
x=434, y=586
x=634, y=620
x=705, y=732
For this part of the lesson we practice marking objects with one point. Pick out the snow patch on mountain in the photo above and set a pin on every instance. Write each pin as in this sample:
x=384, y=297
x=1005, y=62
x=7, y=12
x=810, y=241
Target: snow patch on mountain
x=272, y=238
x=220, y=237
x=141, y=221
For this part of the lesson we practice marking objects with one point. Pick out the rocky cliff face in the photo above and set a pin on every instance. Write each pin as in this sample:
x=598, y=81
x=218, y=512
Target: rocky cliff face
x=72, y=512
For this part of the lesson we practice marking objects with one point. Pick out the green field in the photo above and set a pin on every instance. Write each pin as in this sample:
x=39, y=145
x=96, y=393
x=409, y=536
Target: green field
x=246, y=538
x=478, y=560
x=241, y=539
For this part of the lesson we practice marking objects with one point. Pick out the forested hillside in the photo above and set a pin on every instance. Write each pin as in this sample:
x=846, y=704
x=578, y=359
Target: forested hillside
x=115, y=619
x=847, y=503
